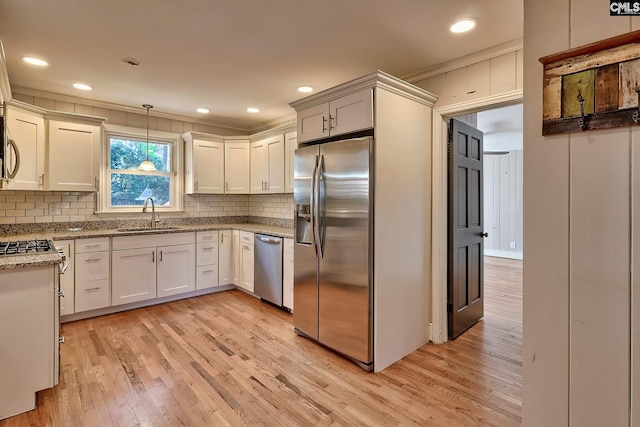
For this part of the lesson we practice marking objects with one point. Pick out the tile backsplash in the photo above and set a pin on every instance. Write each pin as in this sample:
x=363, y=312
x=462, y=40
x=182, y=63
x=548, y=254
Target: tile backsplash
x=30, y=207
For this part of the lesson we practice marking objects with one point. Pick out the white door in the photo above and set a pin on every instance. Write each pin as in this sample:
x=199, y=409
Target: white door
x=290, y=146
x=246, y=267
x=225, y=258
x=259, y=167
x=208, y=166
x=74, y=156
x=26, y=131
x=236, y=256
x=236, y=167
x=313, y=123
x=176, y=269
x=275, y=159
x=133, y=275
x=351, y=113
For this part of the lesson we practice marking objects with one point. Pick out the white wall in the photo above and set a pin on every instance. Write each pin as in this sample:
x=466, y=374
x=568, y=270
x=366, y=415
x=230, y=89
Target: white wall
x=502, y=176
x=581, y=193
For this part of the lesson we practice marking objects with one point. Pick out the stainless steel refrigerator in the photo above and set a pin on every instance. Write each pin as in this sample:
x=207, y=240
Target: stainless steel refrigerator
x=333, y=246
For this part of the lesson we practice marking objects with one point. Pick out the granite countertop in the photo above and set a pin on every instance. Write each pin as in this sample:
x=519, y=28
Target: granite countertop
x=25, y=261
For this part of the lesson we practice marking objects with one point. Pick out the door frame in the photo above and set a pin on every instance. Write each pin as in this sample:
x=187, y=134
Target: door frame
x=439, y=236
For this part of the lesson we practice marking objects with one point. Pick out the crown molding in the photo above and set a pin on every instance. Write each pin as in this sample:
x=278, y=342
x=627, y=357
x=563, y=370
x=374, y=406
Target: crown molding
x=474, y=58
x=113, y=106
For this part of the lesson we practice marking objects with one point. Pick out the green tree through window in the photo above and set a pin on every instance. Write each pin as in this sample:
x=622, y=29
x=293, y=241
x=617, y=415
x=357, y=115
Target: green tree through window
x=130, y=186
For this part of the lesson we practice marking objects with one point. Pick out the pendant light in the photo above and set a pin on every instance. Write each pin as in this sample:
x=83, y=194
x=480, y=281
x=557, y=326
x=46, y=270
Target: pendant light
x=147, y=165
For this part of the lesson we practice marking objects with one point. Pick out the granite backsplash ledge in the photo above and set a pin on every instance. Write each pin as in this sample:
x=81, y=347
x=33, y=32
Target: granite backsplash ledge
x=9, y=229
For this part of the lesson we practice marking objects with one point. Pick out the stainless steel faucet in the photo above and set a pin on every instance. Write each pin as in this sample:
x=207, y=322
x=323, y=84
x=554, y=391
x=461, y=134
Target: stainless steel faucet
x=153, y=210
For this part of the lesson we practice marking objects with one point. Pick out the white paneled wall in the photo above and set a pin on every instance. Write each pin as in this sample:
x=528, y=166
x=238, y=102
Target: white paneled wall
x=582, y=254
x=503, y=204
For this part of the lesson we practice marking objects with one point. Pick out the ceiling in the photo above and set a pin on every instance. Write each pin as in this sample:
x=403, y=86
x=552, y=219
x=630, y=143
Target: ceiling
x=227, y=55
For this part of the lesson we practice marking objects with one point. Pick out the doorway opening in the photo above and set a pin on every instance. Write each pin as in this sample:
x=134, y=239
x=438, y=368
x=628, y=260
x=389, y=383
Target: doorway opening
x=501, y=121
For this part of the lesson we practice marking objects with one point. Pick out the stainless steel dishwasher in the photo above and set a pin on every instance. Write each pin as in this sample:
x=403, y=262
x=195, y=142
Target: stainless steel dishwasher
x=268, y=268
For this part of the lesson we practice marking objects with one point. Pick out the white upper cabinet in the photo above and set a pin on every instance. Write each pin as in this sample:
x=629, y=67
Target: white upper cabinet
x=236, y=171
x=351, y=113
x=267, y=165
x=204, y=165
x=313, y=122
x=290, y=146
x=25, y=156
x=73, y=156
x=495, y=76
x=345, y=114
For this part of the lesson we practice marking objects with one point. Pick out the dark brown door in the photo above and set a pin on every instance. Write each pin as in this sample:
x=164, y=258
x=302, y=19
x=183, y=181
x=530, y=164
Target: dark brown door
x=465, y=243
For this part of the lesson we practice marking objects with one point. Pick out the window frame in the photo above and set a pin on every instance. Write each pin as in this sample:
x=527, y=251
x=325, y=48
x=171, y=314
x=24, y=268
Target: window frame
x=175, y=173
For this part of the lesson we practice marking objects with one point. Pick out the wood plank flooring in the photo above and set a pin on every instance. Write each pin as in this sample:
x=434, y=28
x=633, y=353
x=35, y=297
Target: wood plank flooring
x=228, y=359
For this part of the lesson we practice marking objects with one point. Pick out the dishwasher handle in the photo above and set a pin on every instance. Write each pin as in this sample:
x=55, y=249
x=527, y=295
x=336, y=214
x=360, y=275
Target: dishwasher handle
x=271, y=240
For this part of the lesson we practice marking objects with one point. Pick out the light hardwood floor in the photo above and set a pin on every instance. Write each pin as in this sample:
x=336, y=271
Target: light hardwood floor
x=229, y=359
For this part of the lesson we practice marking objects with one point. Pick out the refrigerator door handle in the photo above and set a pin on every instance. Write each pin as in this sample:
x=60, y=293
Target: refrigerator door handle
x=313, y=207
x=317, y=224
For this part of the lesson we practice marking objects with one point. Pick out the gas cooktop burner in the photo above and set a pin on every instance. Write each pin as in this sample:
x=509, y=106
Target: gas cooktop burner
x=26, y=247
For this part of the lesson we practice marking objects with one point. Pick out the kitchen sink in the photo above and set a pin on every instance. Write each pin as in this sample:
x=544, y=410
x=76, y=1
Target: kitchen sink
x=146, y=229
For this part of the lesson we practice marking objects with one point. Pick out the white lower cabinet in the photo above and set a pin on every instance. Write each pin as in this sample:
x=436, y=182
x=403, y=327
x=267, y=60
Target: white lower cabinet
x=225, y=258
x=235, y=248
x=152, y=266
x=245, y=279
x=67, y=280
x=287, y=274
x=134, y=275
x=206, y=259
x=92, y=278
x=175, y=269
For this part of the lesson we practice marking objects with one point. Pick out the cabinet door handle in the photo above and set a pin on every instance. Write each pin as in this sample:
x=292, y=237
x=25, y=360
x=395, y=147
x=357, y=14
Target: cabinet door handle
x=153, y=256
x=331, y=120
x=160, y=256
x=93, y=260
x=207, y=271
x=42, y=180
x=96, y=181
x=210, y=248
x=222, y=238
x=97, y=288
x=226, y=186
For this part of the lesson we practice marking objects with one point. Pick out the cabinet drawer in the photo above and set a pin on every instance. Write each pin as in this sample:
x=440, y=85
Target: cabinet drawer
x=92, y=245
x=207, y=253
x=92, y=266
x=207, y=276
x=92, y=295
x=207, y=236
x=246, y=237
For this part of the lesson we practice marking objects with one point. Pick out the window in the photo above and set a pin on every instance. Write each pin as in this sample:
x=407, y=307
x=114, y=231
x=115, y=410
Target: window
x=125, y=186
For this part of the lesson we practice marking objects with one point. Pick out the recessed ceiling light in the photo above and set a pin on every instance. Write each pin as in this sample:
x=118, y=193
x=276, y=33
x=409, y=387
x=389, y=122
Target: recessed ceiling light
x=253, y=110
x=305, y=89
x=463, y=25
x=35, y=61
x=202, y=110
x=82, y=86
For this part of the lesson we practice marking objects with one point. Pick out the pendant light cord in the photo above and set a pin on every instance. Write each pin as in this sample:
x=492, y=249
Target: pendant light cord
x=148, y=107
